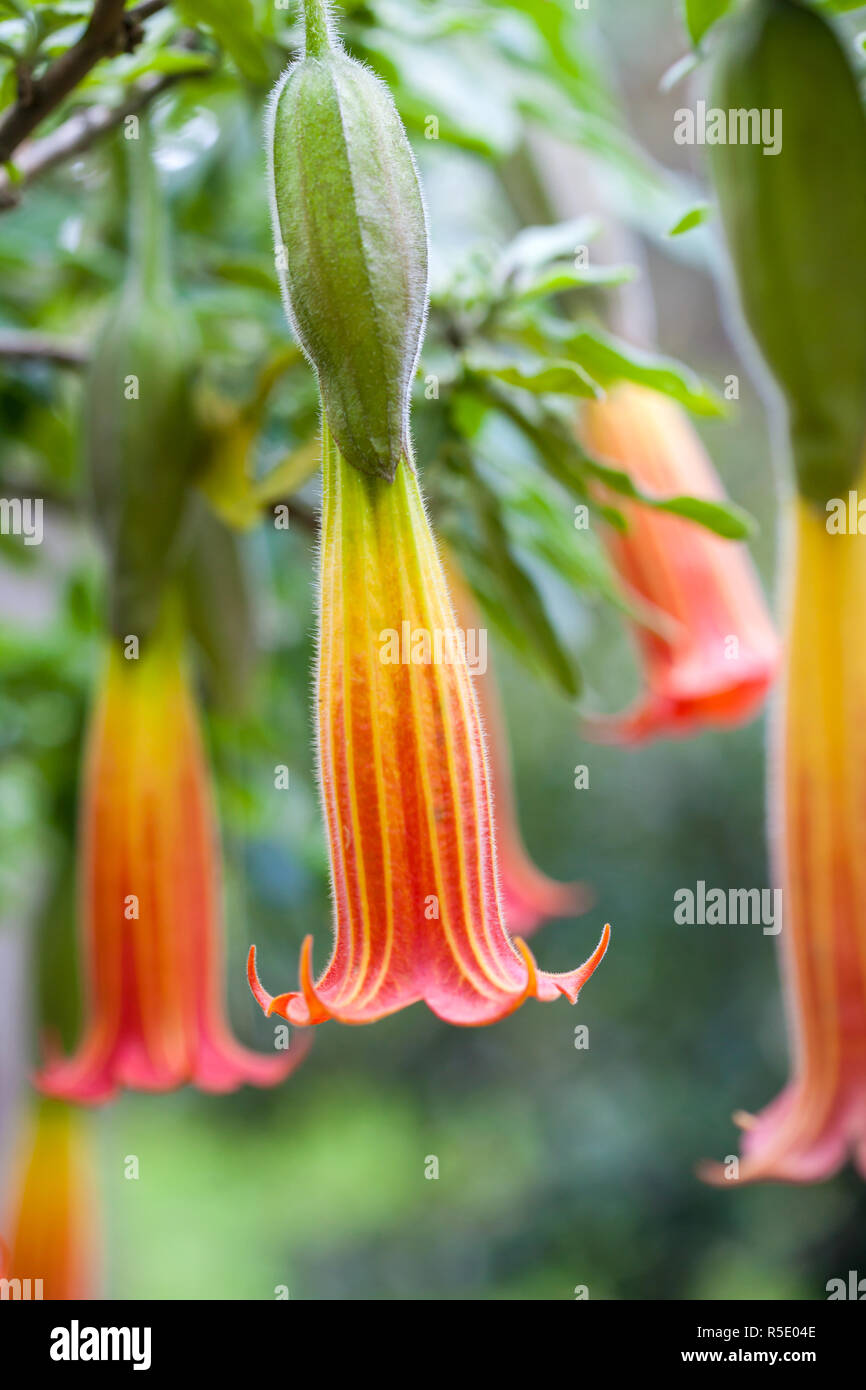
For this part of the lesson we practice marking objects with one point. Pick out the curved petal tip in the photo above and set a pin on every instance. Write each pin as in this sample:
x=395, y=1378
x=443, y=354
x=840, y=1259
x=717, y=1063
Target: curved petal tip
x=260, y=994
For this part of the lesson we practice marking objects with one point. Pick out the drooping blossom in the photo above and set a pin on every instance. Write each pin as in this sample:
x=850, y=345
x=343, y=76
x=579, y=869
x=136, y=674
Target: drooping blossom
x=50, y=1216
x=149, y=889
x=715, y=658
x=405, y=782
x=818, y=832
x=529, y=897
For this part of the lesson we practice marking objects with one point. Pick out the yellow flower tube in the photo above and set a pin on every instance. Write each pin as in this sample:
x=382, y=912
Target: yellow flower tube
x=818, y=831
x=53, y=1245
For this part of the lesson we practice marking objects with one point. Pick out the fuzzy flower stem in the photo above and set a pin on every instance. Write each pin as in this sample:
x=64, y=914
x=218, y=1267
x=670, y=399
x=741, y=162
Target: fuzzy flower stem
x=317, y=31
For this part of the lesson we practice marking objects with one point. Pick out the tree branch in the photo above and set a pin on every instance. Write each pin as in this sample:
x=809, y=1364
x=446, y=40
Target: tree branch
x=110, y=31
x=81, y=131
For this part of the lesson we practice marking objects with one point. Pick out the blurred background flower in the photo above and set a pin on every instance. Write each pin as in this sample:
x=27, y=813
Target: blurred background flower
x=711, y=655
x=150, y=884
x=52, y=1217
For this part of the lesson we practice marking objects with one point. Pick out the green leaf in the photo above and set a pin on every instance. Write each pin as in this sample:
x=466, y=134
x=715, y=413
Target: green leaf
x=693, y=218
x=253, y=274
x=513, y=601
x=15, y=37
x=609, y=359
x=233, y=24
x=458, y=83
x=556, y=279
x=425, y=23
x=536, y=246
x=557, y=377
x=63, y=9
x=168, y=60
x=62, y=15
x=723, y=518
x=546, y=528
x=701, y=15
x=218, y=606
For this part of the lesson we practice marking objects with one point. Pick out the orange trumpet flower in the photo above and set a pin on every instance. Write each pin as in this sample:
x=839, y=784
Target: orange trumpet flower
x=150, y=896
x=405, y=783
x=718, y=655
x=818, y=827
x=53, y=1246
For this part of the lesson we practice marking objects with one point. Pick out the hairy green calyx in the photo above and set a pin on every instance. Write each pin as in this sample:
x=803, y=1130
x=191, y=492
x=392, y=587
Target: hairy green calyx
x=351, y=247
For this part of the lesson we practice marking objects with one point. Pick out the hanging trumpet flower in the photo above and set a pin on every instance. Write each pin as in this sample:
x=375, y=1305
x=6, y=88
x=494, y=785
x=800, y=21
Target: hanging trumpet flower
x=715, y=658
x=807, y=318
x=150, y=895
x=402, y=761
x=52, y=1251
x=148, y=857
x=818, y=804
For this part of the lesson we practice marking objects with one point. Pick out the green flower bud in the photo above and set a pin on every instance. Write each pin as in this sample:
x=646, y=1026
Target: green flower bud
x=796, y=227
x=352, y=246
x=139, y=428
